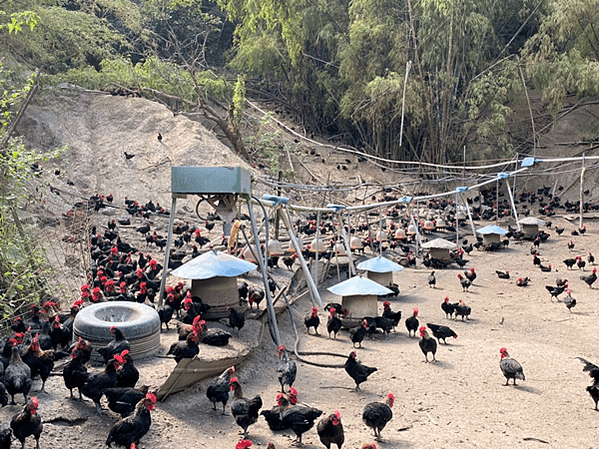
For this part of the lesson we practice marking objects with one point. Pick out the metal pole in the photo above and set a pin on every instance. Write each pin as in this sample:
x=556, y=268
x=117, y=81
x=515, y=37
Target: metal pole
x=270, y=307
x=509, y=190
x=168, y=250
x=581, y=191
x=457, y=221
x=469, y=217
x=315, y=296
x=350, y=264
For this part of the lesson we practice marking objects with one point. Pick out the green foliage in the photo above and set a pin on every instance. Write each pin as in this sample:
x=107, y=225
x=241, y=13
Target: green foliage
x=564, y=55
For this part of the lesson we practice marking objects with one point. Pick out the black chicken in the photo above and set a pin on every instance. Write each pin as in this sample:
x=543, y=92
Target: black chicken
x=333, y=323
x=461, y=309
x=95, y=384
x=376, y=415
x=28, y=423
x=441, y=332
x=123, y=400
x=218, y=388
x=130, y=430
x=185, y=350
x=245, y=411
x=465, y=282
x=447, y=307
x=412, y=322
x=5, y=438
x=128, y=375
x=427, y=344
x=75, y=373
x=17, y=376
x=510, y=367
x=312, y=320
x=503, y=274
x=116, y=346
x=523, y=282
x=390, y=314
x=593, y=371
x=236, y=319
x=273, y=416
x=432, y=280
x=358, y=372
x=330, y=430
x=286, y=370
x=569, y=301
x=300, y=418
x=358, y=333
x=555, y=291
x=591, y=278
x=165, y=313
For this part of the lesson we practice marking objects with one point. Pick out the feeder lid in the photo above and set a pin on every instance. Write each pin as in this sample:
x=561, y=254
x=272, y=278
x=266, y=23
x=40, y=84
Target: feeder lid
x=213, y=264
x=400, y=234
x=340, y=249
x=355, y=243
x=379, y=265
x=532, y=221
x=359, y=285
x=491, y=229
x=275, y=248
x=439, y=243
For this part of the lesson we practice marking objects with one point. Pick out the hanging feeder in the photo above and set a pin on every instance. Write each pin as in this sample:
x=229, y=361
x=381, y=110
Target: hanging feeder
x=275, y=248
x=400, y=234
x=214, y=279
x=355, y=243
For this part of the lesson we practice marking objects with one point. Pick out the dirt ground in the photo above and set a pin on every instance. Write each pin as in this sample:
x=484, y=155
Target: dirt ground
x=458, y=402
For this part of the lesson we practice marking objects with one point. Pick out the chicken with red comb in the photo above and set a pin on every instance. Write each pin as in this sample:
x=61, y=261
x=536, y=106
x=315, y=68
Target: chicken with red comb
x=376, y=415
x=312, y=320
x=330, y=430
x=28, y=423
x=510, y=367
x=243, y=444
x=130, y=430
x=412, y=322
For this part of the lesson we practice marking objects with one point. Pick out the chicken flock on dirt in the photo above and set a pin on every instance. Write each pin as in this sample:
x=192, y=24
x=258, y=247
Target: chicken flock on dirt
x=124, y=271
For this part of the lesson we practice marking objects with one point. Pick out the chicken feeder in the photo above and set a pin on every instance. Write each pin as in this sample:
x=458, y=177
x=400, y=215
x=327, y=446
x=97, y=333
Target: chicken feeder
x=359, y=296
x=439, y=249
x=491, y=234
x=139, y=323
x=380, y=269
x=530, y=226
x=214, y=279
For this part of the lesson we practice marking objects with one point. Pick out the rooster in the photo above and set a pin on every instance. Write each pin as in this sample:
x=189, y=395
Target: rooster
x=218, y=388
x=447, y=307
x=299, y=418
x=461, y=309
x=185, y=350
x=569, y=301
x=358, y=372
x=523, y=282
x=358, y=333
x=555, y=291
x=427, y=344
x=590, y=279
x=40, y=362
x=376, y=415
x=128, y=431
x=580, y=263
x=312, y=320
x=95, y=384
x=412, y=322
x=27, y=423
x=571, y=245
x=432, y=280
x=465, y=282
x=116, y=346
x=287, y=369
x=503, y=274
x=289, y=261
x=123, y=400
x=330, y=430
x=593, y=371
x=245, y=411
x=470, y=275
x=390, y=314
x=333, y=323
x=236, y=319
x=510, y=367
x=441, y=332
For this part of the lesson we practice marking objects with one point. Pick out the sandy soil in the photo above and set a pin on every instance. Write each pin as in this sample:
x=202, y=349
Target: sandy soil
x=458, y=402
